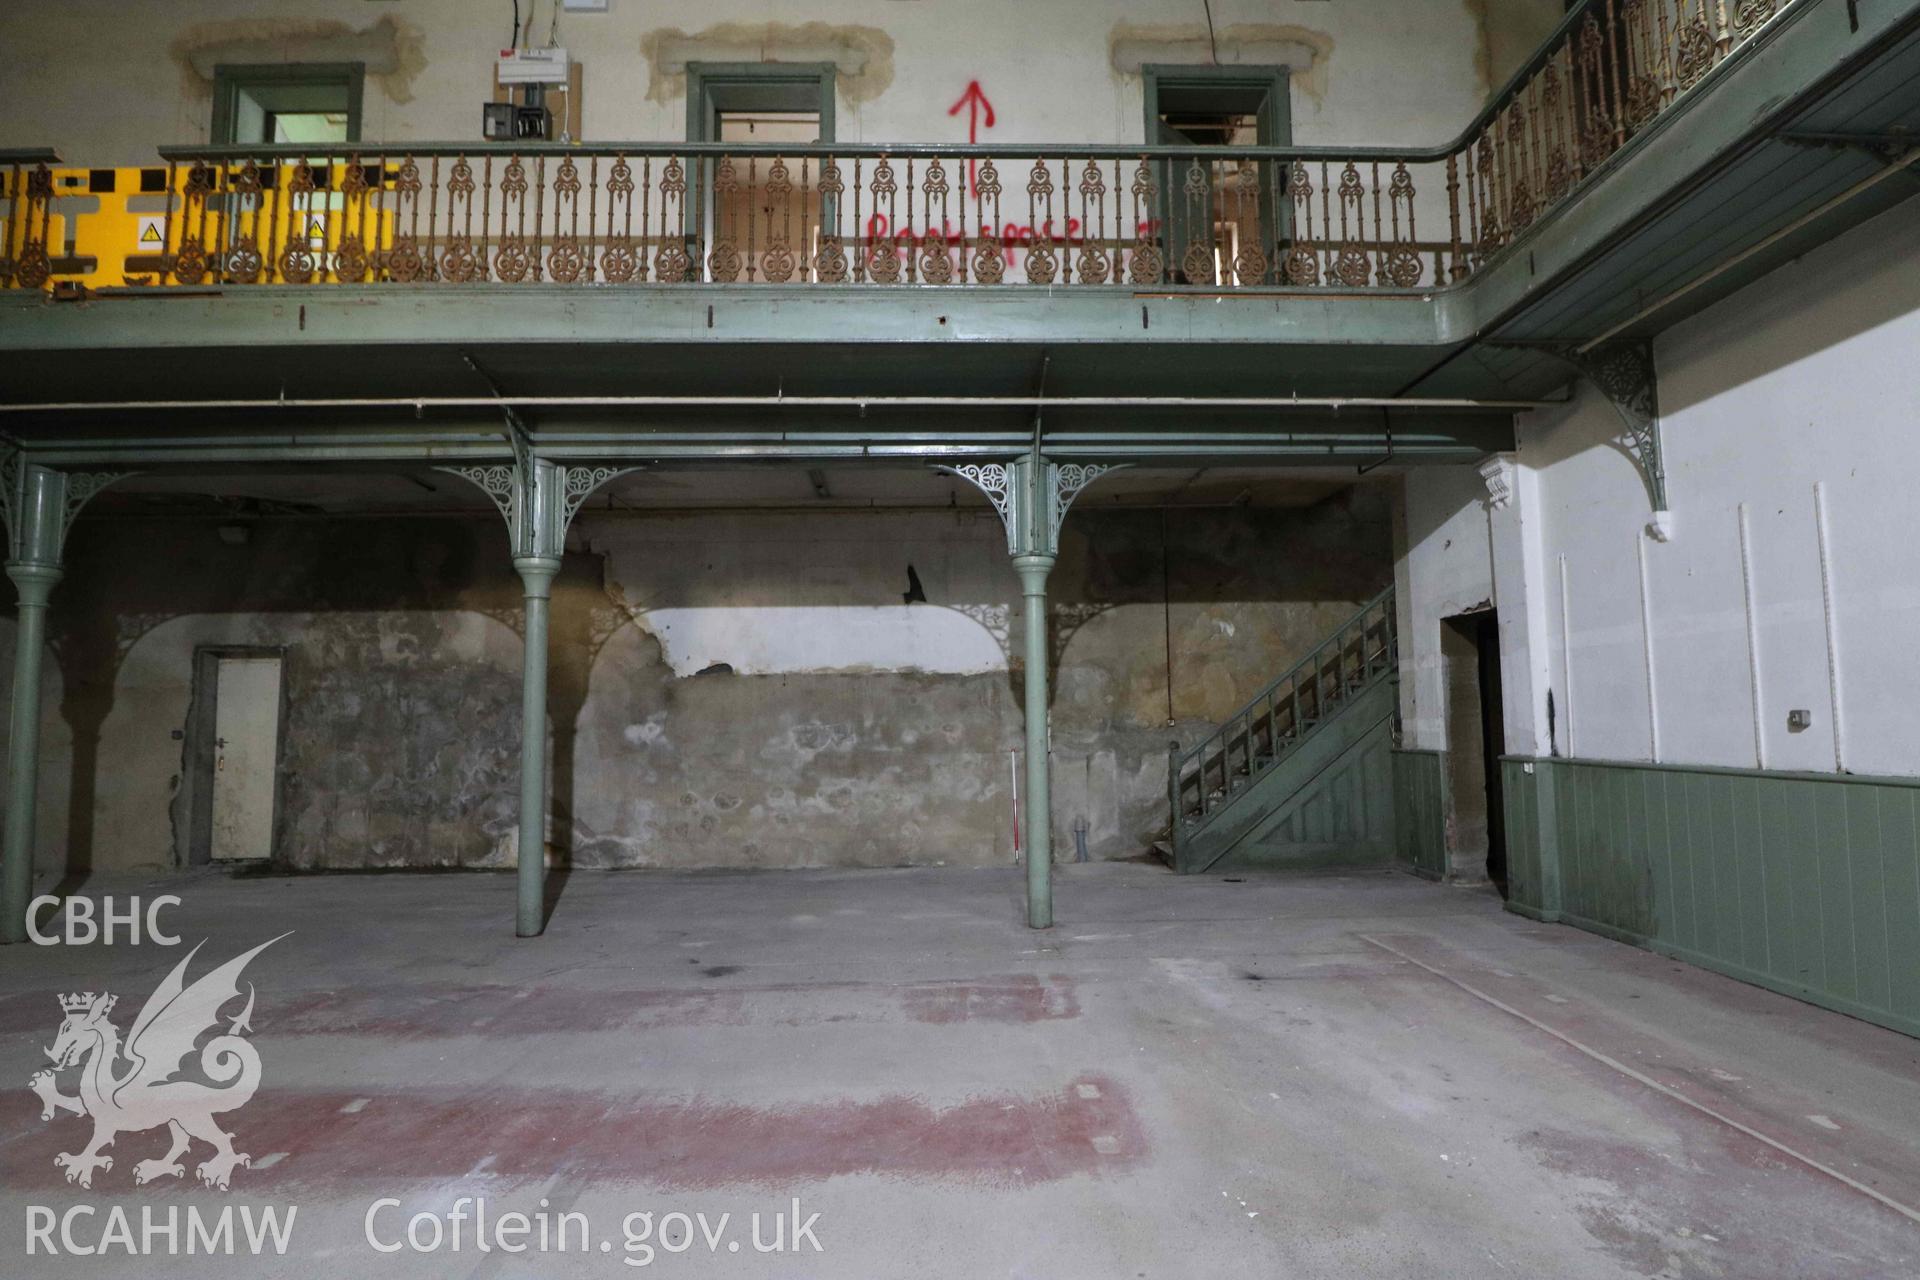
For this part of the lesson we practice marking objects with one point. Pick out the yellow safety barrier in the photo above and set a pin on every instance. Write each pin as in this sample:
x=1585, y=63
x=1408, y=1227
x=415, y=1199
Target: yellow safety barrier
x=107, y=228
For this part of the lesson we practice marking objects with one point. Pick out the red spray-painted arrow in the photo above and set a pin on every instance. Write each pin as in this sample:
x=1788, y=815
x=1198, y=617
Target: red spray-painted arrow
x=976, y=103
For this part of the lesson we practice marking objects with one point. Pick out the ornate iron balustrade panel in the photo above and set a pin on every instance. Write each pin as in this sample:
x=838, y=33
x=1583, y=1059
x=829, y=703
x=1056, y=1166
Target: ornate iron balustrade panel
x=26, y=193
x=663, y=214
x=667, y=214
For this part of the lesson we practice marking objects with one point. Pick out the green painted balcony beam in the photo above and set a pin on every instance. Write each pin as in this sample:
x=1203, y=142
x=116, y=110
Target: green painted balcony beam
x=361, y=316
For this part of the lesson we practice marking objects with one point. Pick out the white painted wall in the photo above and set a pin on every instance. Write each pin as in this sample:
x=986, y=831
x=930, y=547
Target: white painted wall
x=1444, y=567
x=1805, y=378
x=782, y=594
x=106, y=81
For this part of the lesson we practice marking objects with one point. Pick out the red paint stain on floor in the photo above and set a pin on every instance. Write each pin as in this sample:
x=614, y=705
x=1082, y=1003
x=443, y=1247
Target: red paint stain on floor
x=417, y=1012
x=501, y=1136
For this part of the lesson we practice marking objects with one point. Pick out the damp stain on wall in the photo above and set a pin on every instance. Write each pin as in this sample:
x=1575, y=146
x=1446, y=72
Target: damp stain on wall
x=1304, y=51
x=393, y=51
x=862, y=57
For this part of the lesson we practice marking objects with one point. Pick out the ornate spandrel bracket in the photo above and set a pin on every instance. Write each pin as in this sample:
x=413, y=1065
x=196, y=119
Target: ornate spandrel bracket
x=1032, y=503
x=1624, y=373
x=537, y=498
x=40, y=504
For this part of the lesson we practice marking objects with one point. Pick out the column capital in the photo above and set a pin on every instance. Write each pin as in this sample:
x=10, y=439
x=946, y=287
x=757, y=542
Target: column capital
x=35, y=580
x=538, y=499
x=39, y=505
x=1033, y=569
x=537, y=573
x=1031, y=494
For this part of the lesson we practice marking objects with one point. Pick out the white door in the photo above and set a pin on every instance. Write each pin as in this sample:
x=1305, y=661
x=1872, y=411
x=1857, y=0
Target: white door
x=246, y=713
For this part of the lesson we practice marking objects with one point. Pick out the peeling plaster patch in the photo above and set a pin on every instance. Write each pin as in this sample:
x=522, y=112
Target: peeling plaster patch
x=862, y=56
x=642, y=735
x=823, y=639
x=394, y=51
x=1302, y=50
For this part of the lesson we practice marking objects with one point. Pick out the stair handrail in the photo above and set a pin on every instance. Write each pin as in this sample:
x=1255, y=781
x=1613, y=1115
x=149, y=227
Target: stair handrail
x=1313, y=664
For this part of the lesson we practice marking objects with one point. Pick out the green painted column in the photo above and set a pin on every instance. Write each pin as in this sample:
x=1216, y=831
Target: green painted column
x=538, y=499
x=1032, y=495
x=36, y=509
x=35, y=583
x=537, y=574
x=1033, y=571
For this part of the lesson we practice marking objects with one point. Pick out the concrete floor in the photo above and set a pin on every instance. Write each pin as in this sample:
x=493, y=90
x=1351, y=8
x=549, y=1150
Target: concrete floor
x=1310, y=1076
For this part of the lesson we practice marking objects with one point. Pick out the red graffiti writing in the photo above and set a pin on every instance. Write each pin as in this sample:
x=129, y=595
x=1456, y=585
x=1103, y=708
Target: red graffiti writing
x=1012, y=237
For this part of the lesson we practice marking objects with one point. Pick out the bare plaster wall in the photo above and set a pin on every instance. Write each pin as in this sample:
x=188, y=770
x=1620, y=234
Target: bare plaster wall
x=106, y=81
x=402, y=672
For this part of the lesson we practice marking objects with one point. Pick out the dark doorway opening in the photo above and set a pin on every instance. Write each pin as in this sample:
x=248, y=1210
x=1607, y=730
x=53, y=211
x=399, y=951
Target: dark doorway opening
x=1217, y=107
x=1476, y=738
x=316, y=102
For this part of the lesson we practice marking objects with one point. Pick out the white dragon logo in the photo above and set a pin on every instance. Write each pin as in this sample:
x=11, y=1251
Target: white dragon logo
x=155, y=1089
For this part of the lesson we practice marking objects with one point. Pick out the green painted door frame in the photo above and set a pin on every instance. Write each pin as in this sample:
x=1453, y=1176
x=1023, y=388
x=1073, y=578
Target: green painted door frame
x=288, y=79
x=714, y=87
x=1261, y=91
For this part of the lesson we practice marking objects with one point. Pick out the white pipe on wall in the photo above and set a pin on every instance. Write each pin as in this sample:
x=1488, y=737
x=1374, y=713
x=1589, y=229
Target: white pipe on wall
x=1566, y=652
x=1646, y=648
x=1825, y=536
x=1753, y=641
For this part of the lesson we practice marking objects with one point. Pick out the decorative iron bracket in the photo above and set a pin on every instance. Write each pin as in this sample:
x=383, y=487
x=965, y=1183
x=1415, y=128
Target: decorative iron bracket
x=1623, y=370
x=1032, y=504
x=39, y=505
x=538, y=499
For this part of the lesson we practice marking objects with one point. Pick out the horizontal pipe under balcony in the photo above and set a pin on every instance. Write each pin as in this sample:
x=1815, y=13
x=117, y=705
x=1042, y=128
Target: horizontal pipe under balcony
x=782, y=401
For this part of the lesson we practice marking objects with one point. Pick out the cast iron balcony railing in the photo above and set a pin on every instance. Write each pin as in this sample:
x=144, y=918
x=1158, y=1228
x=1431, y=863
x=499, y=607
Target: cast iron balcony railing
x=1212, y=218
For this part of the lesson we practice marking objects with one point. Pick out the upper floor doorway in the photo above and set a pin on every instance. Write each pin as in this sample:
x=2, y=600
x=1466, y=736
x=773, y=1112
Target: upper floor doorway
x=1220, y=219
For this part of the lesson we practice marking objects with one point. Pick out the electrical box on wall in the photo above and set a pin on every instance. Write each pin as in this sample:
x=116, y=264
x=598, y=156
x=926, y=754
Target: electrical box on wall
x=512, y=122
x=532, y=66
x=536, y=97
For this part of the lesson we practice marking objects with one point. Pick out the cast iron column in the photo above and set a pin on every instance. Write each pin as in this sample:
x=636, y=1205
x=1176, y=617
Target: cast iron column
x=1032, y=495
x=538, y=499
x=536, y=574
x=1033, y=570
x=38, y=505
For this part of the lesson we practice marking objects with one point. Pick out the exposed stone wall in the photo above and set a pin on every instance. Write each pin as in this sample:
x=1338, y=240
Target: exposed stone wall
x=813, y=718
